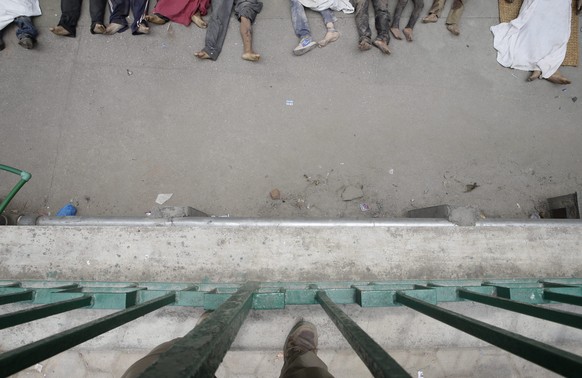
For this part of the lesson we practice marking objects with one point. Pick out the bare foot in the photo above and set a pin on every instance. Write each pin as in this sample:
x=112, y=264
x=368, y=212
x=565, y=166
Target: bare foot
x=251, y=56
x=558, y=78
x=430, y=18
x=99, y=29
x=364, y=45
x=199, y=21
x=113, y=28
x=408, y=34
x=454, y=29
x=332, y=35
x=59, y=30
x=202, y=55
x=142, y=29
x=155, y=19
x=534, y=75
x=396, y=33
x=382, y=45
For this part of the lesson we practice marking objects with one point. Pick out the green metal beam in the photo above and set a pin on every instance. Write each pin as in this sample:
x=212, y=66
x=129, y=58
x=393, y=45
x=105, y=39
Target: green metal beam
x=200, y=352
x=557, y=316
x=376, y=359
x=564, y=298
x=20, y=296
x=20, y=317
x=554, y=359
x=20, y=358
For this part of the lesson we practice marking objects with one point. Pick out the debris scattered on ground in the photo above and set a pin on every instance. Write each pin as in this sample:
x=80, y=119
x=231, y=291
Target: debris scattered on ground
x=391, y=171
x=535, y=215
x=38, y=367
x=129, y=73
x=163, y=197
x=312, y=181
x=420, y=373
x=574, y=99
x=517, y=204
x=67, y=211
x=351, y=193
x=289, y=102
x=364, y=207
x=471, y=187
x=275, y=194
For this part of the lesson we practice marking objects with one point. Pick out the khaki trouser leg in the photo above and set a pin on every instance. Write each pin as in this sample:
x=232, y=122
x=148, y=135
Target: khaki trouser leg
x=456, y=12
x=307, y=365
x=437, y=7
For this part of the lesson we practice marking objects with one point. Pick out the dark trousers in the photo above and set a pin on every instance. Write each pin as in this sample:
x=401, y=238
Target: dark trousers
x=71, y=11
x=382, y=20
x=25, y=28
x=418, y=5
x=120, y=10
x=219, y=19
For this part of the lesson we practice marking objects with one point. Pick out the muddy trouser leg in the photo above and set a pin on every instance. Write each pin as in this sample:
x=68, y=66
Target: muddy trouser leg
x=382, y=19
x=70, y=13
x=307, y=365
x=299, y=19
x=398, y=12
x=97, y=11
x=327, y=15
x=119, y=10
x=418, y=5
x=362, y=20
x=437, y=7
x=25, y=28
x=217, y=27
x=456, y=12
x=139, y=9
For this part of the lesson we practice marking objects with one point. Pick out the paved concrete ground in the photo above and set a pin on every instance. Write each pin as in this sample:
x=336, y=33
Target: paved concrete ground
x=110, y=122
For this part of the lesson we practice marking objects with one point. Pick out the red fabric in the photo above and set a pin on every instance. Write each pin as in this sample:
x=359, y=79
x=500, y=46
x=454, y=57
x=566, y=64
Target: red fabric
x=180, y=11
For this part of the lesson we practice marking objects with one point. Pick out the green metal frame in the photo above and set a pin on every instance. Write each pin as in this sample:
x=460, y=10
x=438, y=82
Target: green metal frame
x=200, y=352
x=24, y=177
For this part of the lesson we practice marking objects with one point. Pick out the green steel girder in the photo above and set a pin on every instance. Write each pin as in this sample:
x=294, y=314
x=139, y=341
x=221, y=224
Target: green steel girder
x=277, y=295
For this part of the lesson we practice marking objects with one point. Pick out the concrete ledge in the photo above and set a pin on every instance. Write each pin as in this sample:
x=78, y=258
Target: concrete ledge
x=226, y=250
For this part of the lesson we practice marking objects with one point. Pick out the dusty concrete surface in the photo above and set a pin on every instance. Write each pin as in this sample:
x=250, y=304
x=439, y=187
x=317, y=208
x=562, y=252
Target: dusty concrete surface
x=110, y=122
x=236, y=254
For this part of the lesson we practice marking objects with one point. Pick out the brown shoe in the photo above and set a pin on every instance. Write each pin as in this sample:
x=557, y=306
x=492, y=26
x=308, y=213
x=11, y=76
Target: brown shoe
x=301, y=339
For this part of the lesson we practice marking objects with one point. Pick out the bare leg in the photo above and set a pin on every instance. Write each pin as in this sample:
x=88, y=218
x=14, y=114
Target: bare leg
x=199, y=21
x=418, y=5
x=246, y=33
x=332, y=35
x=395, y=28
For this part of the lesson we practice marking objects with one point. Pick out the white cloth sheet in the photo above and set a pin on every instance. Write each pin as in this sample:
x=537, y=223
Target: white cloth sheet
x=10, y=9
x=537, y=38
x=336, y=5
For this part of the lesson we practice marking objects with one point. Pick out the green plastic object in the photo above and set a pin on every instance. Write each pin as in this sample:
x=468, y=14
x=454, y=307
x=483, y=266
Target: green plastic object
x=24, y=177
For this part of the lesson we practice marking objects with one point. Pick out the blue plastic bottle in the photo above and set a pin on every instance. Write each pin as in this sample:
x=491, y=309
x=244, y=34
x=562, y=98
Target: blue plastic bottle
x=67, y=211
